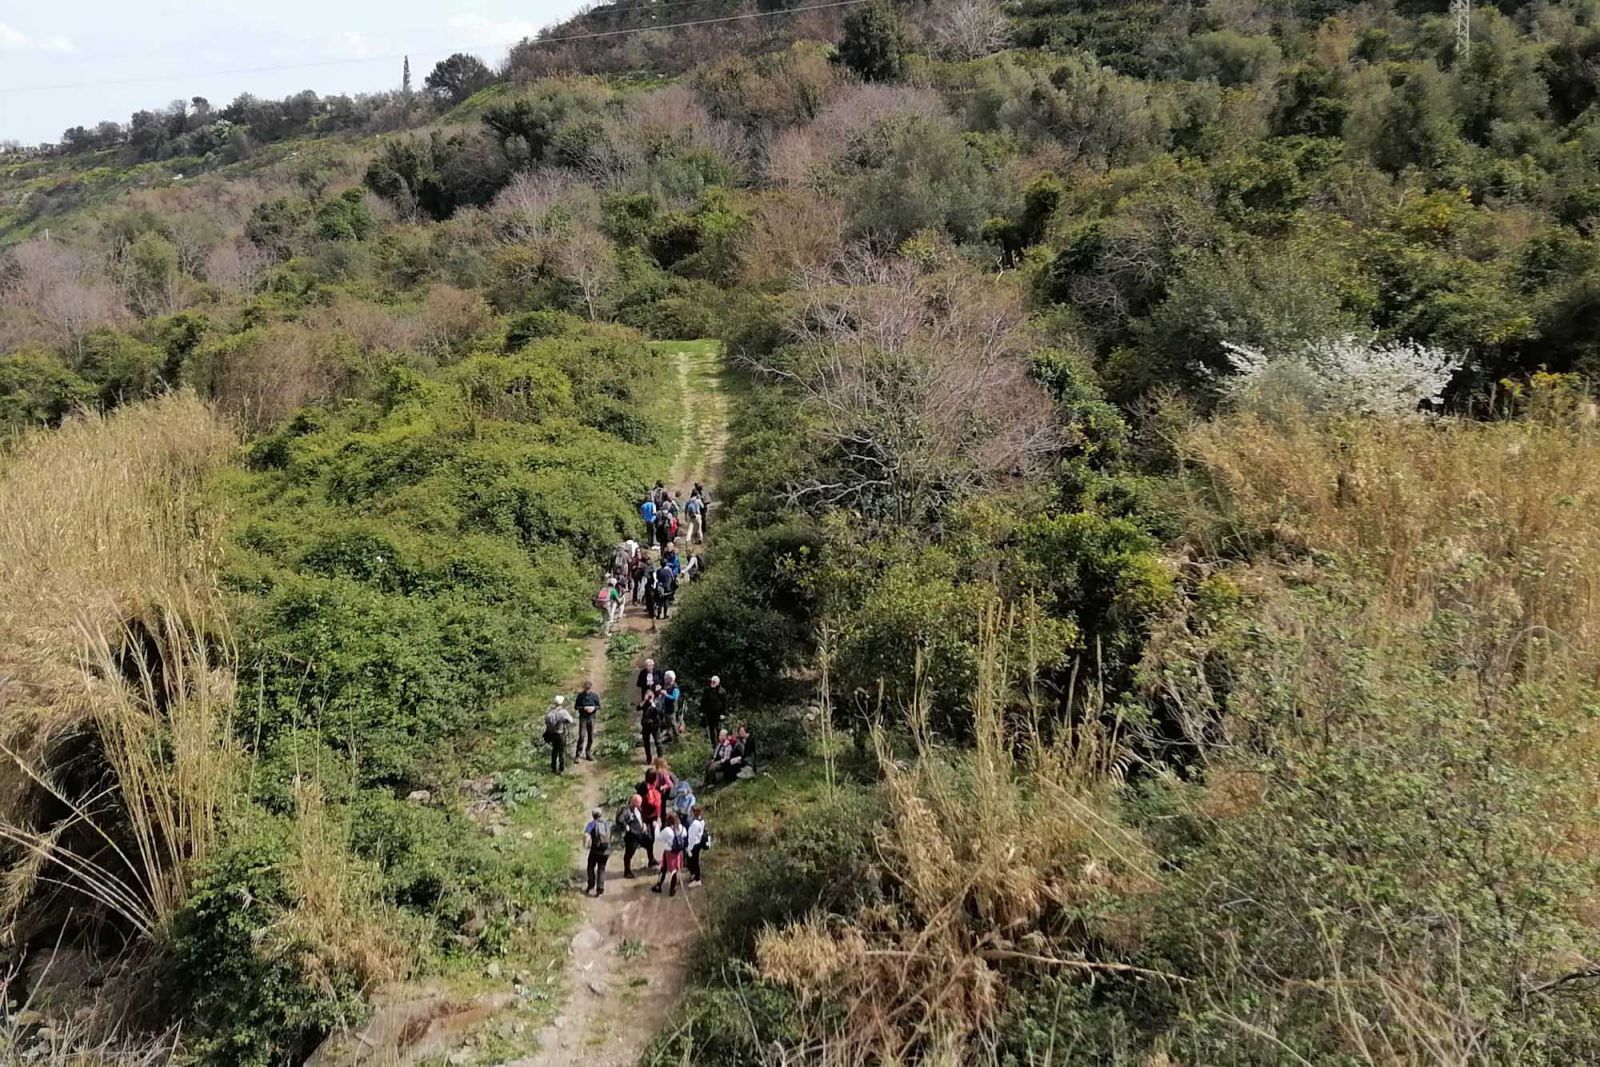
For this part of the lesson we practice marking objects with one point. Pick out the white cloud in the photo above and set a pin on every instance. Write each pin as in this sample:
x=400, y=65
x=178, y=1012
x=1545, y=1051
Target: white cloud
x=353, y=45
x=14, y=40
x=490, y=34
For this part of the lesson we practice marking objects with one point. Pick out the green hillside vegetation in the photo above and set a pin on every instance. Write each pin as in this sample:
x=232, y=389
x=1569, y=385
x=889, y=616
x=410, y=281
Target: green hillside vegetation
x=1155, y=548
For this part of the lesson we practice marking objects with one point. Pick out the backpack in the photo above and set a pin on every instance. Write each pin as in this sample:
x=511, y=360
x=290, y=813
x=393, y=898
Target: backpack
x=705, y=836
x=602, y=599
x=600, y=835
x=680, y=840
x=648, y=510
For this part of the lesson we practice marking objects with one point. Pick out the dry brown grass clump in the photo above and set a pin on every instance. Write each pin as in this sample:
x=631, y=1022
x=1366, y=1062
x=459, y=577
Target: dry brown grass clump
x=1004, y=861
x=115, y=670
x=1488, y=528
x=1426, y=505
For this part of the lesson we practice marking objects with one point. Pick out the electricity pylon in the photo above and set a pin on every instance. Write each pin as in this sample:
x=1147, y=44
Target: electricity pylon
x=1461, y=15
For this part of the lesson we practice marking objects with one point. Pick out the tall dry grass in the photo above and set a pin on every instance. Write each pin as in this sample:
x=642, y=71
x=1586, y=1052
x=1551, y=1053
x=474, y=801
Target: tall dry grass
x=115, y=668
x=1424, y=506
x=1488, y=527
x=1004, y=861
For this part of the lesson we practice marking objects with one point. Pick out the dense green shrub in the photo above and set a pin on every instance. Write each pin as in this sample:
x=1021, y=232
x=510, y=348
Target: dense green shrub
x=248, y=1002
x=37, y=390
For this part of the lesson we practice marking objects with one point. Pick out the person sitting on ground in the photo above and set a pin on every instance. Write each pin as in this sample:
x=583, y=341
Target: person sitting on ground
x=699, y=841
x=674, y=843
x=598, y=836
x=588, y=705
x=635, y=834
x=649, y=811
x=721, y=755
x=557, y=721
x=744, y=752
x=648, y=678
x=713, y=708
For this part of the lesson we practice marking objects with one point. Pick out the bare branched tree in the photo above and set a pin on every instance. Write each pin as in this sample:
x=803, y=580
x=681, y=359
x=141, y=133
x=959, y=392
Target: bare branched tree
x=236, y=265
x=971, y=29
x=57, y=295
x=916, y=376
x=587, y=258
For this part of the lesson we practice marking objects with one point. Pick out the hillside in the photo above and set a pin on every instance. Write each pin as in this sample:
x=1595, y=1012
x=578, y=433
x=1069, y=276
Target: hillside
x=1153, y=547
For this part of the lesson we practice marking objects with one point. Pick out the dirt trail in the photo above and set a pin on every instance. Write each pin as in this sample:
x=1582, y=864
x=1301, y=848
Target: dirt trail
x=627, y=957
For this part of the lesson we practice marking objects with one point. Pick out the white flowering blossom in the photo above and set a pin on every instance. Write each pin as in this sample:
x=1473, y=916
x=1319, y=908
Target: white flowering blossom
x=1345, y=375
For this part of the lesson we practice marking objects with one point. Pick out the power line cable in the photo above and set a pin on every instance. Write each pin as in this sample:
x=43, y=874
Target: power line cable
x=529, y=42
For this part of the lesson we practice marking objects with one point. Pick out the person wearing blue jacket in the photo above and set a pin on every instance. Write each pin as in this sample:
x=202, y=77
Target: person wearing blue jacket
x=672, y=704
x=647, y=512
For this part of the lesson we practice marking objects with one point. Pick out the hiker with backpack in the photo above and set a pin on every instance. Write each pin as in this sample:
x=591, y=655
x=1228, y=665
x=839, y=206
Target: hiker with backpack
x=635, y=835
x=665, y=583
x=609, y=600
x=662, y=528
x=557, y=721
x=693, y=511
x=673, y=840
x=699, y=492
x=666, y=782
x=683, y=800
x=597, y=834
x=699, y=841
x=650, y=812
x=638, y=576
x=588, y=705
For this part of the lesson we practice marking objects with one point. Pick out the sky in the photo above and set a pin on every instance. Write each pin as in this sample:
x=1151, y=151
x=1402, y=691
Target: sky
x=78, y=62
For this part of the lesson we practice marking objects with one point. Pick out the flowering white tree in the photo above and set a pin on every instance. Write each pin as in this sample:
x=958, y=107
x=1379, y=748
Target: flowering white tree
x=1345, y=375
x=972, y=29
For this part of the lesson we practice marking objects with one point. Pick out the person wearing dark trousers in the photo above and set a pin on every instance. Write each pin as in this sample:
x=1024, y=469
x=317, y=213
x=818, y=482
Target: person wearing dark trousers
x=598, y=834
x=557, y=721
x=588, y=705
x=634, y=832
x=698, y=840
x=648, y=679
x=650, y=811
x=650, y=725
x=713, y=708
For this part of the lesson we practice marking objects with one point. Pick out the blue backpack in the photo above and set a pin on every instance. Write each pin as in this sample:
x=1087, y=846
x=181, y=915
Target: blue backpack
x=648, y=511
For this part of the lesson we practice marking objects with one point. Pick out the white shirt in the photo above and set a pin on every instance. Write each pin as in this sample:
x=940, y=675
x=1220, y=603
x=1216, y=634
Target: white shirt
x=664, y=837
x=631, y=547
x=697, y=832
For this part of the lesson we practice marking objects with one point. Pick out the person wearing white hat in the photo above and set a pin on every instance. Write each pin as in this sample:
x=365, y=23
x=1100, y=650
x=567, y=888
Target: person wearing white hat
x=557, y=722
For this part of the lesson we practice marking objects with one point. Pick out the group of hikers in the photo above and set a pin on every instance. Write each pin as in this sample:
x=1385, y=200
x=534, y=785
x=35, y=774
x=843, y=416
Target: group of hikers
x=649, y=572
x=662, y=814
